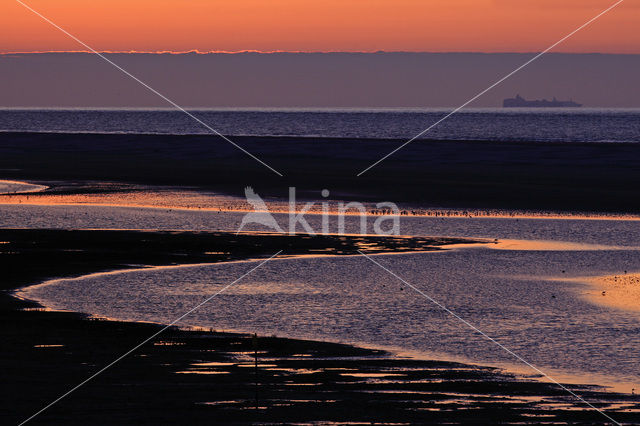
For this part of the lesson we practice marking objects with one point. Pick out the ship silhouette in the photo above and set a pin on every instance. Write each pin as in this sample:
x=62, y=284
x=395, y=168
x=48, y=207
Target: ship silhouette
x=520, y=102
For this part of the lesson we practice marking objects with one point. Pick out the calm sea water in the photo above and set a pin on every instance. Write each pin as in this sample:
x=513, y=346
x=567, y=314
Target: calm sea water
x=505, y=293
x=570, y=125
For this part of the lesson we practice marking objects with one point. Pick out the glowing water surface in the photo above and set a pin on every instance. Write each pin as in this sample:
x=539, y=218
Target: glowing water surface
x=522, y=293
x=526, y=291
x=15, y=187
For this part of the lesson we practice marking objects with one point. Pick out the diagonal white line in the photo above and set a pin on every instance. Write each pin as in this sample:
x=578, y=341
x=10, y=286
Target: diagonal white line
x=153, y=336
x=491, y=339
x=536, y=57
x=169, y=101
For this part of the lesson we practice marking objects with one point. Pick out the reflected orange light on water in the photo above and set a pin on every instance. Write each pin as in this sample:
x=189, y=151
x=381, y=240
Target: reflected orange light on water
x=618, y=291
x=172, y=199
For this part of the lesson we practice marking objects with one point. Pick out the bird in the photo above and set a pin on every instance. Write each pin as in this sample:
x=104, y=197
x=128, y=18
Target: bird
x=260, y=215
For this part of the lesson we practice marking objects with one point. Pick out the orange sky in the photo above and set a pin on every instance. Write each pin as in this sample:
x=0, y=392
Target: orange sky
x=327, y=25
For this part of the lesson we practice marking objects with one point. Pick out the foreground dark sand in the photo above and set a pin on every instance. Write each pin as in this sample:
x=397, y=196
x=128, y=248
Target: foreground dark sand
x=207, y=376
x=473, y=174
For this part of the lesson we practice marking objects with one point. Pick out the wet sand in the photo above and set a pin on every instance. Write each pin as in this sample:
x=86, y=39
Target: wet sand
x=117, y=194
x=620, y=291
x=467, y=174
x=198, y=376
x=10, y=187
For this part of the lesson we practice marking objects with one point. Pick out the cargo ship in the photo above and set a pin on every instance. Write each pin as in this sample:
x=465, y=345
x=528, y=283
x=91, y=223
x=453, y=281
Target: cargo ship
x=520, y=102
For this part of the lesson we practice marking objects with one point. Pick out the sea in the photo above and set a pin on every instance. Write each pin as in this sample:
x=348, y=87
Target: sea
x=531, y=295
x=530, y=292
x=495, y=124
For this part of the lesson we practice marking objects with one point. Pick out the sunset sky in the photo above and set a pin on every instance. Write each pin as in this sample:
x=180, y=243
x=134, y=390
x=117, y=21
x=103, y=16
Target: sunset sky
x=327, y=25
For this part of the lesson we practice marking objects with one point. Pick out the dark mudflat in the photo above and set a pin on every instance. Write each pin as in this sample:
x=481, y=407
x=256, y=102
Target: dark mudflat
x=596, y=177
x=198, y=377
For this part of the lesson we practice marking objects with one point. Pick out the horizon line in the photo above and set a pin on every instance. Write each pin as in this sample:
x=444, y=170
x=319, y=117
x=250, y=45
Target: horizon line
x=267, y=52
x=354, y=108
